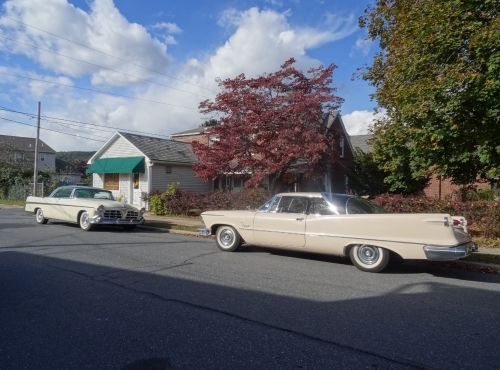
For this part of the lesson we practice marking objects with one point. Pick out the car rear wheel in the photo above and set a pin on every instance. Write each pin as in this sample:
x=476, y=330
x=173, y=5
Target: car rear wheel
x=227, y=238
x=84, y=221
x=369, y=257
x=39, y=217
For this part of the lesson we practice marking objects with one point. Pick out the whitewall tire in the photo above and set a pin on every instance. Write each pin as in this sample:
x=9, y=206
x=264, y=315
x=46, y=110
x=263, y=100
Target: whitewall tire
x=227, y=238
x=369, y=258
x=39, y=217
x=84, y=221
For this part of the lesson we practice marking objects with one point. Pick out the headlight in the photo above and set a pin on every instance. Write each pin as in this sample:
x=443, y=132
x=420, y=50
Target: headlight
x=143, y=210
x=100, y=209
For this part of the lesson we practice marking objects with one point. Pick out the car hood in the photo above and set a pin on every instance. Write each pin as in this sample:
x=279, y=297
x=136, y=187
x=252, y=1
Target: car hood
x=109, y=203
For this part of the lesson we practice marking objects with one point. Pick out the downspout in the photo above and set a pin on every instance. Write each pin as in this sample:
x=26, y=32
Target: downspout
x=150, y=180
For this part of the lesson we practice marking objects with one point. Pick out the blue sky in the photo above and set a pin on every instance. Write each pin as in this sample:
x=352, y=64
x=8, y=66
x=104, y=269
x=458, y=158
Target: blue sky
x=157, y=59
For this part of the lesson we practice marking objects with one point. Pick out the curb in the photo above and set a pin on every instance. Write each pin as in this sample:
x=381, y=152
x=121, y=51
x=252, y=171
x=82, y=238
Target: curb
x=174, y=231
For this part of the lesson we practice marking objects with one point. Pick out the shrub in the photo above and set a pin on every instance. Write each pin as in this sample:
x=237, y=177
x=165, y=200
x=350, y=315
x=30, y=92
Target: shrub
x=483, y=216
x=179, y=202
x=157, y=204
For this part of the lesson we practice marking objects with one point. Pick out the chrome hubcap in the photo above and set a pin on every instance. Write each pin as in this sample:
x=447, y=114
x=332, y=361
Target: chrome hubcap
x=39, y=215
x=368, y=254
x=85, y=220
x=226, y=237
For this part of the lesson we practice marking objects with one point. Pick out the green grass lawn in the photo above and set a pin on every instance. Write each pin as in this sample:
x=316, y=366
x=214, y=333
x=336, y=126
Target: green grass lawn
x=13, y=202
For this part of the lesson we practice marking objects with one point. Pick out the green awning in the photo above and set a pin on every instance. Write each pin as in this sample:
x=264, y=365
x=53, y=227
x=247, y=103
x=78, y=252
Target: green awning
x=117, y=165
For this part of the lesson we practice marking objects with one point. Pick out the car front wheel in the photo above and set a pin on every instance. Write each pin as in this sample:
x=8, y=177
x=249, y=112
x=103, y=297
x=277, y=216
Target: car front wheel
x=39, y=217
x=84, y=221
x=227, y=238
x=369, y=257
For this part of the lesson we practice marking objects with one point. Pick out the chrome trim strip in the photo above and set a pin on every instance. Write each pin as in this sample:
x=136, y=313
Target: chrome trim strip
x=62, y=205
x=360, y=238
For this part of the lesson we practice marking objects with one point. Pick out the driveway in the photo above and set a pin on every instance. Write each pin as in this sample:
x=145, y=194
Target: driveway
x=110, y=299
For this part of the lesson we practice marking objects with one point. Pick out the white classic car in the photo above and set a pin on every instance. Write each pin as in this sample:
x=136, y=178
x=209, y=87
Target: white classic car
x=84, y=205
x=341, y=225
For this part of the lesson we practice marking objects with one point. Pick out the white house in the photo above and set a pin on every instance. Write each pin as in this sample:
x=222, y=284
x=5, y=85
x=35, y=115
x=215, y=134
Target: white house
x=132, y=166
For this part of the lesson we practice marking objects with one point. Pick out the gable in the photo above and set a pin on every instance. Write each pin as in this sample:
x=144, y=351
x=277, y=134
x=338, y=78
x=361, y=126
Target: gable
x=120, y=148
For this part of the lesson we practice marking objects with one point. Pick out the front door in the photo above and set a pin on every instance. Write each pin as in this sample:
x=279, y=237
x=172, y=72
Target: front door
x=285, y=227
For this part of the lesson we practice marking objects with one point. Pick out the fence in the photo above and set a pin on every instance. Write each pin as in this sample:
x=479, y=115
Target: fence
x=22, y=191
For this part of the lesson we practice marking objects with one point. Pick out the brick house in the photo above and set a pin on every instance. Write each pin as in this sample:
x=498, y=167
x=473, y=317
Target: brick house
x=334, y=178
x=438, y=187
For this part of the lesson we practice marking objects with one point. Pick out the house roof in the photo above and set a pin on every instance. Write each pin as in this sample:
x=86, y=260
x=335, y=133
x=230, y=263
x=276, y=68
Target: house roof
x=164, y=150
x=25, y=144
x=362, y=142
x=193, y=131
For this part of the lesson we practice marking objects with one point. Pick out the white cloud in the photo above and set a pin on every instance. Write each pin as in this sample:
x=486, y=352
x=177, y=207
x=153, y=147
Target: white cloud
x=260, y=41
x=359, y=122
x=168, y=27
x=102, y=28
x=364, y=45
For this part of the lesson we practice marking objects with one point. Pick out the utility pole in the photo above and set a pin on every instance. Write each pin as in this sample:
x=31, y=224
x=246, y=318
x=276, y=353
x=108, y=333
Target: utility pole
x=35, y=172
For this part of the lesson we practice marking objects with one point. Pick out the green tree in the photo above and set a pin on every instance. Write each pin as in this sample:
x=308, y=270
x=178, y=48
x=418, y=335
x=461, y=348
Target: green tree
x=436, y=75
x=366, y=177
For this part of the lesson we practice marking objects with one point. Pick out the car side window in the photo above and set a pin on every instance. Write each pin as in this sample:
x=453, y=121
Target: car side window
x=62, y=193
x=293, y=205
x=319, y=206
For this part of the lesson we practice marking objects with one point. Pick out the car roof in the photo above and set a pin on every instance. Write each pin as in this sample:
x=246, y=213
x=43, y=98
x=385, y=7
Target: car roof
x=80, y=187
x=313, y=194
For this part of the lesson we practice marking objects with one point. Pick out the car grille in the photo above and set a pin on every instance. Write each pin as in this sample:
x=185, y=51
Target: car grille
x=115, y=213
x=112, y=213
x=132, y=215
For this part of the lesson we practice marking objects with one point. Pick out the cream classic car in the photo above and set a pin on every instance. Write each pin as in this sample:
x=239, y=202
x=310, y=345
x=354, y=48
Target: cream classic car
x=84, y=205
x=341, y=225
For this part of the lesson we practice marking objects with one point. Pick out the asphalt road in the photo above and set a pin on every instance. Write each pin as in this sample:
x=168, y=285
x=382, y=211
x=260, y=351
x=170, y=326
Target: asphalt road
x=110, y=299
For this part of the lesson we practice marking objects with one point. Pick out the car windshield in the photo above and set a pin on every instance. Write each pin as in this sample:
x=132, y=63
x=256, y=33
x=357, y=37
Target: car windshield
x=270, y=205
x=93, y=194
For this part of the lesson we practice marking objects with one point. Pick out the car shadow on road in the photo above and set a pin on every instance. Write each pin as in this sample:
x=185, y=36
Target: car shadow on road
x=74, y=314
x=396, y=267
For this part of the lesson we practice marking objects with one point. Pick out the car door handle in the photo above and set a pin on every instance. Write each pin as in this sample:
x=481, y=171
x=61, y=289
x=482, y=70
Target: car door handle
x=300, y=218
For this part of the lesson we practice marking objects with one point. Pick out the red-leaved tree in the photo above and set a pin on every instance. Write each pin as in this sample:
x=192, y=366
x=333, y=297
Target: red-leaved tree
x=268, y=124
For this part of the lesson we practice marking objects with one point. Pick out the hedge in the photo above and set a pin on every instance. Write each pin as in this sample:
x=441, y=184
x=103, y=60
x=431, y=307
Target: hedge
x=181, y=202
x=483, y=216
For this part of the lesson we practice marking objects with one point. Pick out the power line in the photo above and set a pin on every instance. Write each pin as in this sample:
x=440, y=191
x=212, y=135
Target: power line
x=102, y=66
x=104, y=53
x=79, y=128
x=95, y=90
x=48, y=129
x=112, y=128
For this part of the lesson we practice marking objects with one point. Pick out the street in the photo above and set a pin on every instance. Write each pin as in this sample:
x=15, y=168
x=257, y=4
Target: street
x=146, y=299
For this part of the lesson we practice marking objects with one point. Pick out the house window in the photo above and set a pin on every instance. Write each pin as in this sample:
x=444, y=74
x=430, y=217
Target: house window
x=42, y=157
x=168, y=169
x=346, y=183
x=341, y=147
x=136, y=180
x=112, y=181
x=18, y=156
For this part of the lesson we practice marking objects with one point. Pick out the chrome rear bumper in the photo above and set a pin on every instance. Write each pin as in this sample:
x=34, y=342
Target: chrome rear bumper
x=435, y=253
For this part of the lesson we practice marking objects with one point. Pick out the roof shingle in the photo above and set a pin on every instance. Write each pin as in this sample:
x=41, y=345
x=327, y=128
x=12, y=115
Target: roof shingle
x=25, y=144
x=164, y=150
